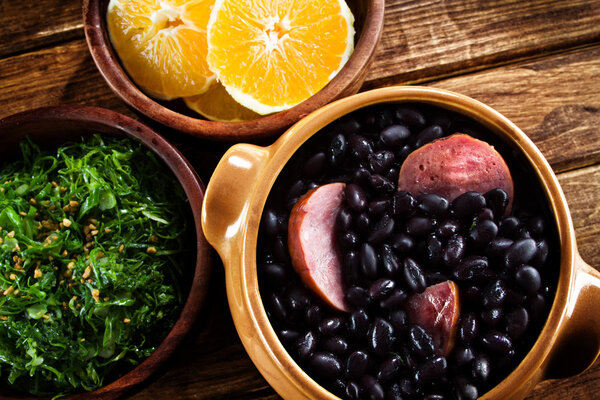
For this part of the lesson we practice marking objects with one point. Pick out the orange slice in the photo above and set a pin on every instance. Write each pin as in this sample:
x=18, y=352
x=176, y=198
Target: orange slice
x=162, y=44
x=271, y=55
x=217, y=105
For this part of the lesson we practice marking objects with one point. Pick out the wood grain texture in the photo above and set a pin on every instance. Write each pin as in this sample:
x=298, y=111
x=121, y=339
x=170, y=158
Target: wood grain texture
x=555, y=100
x=428, y=39
x=31, y=24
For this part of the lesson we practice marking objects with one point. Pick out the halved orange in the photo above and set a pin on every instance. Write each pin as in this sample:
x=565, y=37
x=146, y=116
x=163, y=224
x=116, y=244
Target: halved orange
x=271, y=55
x=217, y=105
x=162, y=44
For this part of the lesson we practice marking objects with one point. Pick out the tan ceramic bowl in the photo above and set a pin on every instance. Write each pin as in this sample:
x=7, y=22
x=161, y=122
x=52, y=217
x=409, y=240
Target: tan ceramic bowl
x=368, y=24
x=570, y=339
x=51, y=126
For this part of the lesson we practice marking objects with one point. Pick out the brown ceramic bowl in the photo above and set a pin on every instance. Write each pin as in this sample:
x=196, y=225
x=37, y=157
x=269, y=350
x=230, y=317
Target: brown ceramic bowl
x=570, y=338
x=49, y=127
x=368, y=25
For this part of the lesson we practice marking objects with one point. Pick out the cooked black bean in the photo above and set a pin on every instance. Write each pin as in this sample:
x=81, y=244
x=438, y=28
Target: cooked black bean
x=349, y=240
x=398, y=319
x=508, y=227
x=394, y=135
x=403, y=204
x=404, y=152
x=389, y=368
x=402, y=243
x=497, y=200
x=381, y=288
x=420, y=341
x=468, y=204
x=413, y=275
x=363, y=223
x=536, y=226
x=330, y=326
x=463, y=356
x=541, y=255
x=314, y=314
x=275, y=274
x=419, y=226
x=392, y=174
x=357, y=364
x=497, y=342
x=360, y=147
x=270, y=222
x=454, y=251
x=433, y=251
x=381, y=184
x=483, y=232
x=356, y=197
x=297, y=299
x=389, y=261
x=336, y=345
x=372, y=387
x=468, y=327
x=315, y=165
x=361, y=176
x=381, y=337
x=295, y=190
x=492, y=317
x=343, y=220
x=431, y=370
x=407, y=387
x=382, y=229
x=280, y=251
x=277, y=308
x=410, y=117
x=432, y=204
x=482, y=368
x=369, y=260
x=528, y=278
x=465, y=390
x=378, y=207
x=326, y=365
x=357, y=296
x=472, y=267
x=353, y=391
x=498, y=246
x=394, y=300
x=352, y=267
x=520, y=252
x=288, y=335
x=447, y=228
x=494, y=294
x=337, y=150
x=358, y=323
x=348, y=126
x=429, y=134
x=535, y=305
x=381, y=161
x=484, y=214
x=516, y=322
x=472, y=294
x=393, y=392
x=306, y=345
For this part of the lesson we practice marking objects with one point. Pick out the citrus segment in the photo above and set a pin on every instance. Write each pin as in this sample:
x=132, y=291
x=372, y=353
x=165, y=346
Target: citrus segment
x=217, y=105
x=162, y=44
x=271, y=55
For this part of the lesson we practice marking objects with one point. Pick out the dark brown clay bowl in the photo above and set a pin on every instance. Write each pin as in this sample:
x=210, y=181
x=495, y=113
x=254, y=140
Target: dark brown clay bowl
x=49, y=127
x=368, y=24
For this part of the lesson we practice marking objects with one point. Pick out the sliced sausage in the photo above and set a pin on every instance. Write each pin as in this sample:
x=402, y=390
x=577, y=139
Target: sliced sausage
x=437, y=310
x=312, y=242
x=454, y=165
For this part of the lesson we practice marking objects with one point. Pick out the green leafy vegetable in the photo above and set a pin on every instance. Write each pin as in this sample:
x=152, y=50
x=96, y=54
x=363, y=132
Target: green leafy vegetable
x=91, y=243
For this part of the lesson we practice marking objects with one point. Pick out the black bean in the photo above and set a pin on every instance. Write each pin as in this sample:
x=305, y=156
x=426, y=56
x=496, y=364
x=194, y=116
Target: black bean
x=353, y=391
x=536, y=305
x=381, y=288
x=403, y=204
x=520, y=252
x=392, y=174
x=306, y=345
x=483, y=232
x=528, y=278
x=357, y=296
x=362, y=223
x=432, y=204
x=413, y=275
x=389, y=368
x=517, y=322
x=372, y=387
x=448, y=228
x=381, y=184
x=288, y=335
x=343, y=220
x=326, y=365
x=389, y=261
x=279, y=248
x=277, y=308
x=352, y=267
x=297, y=299
x=468, y=204
x=403, y=152
x=497, y=200
x=356, y=197
x=381, y=161
x=360, y=147
x=407, y=387
x=420, y=341
x=429, y=134
x=536, y=226
x=336, y=345
x=270, y=223
x=454, y=251
x=382, y=229
x=357, y=364
x=463, y=356
x=435, y=277
x=337, y=150
x=349, y=240
x=484, y=214
x=494, y=294
x=394, y=135
x=275, y=274
x=314, y=315
x=315, y=165
x=498, y=246
x=508, y=227
x=361, y=176
x=419, y=226
x=402, y=243
x=368, y=260
x=497, y=342
x=330, y=326
x=398, y=319
x=492, y=317
x=514, y=297
x=541, y=255
x=472, y=294
x=348, y=125
x=338, y=387
x=472, y=267
x=394, y=392
x=482, y=368
x=431, y=371
x=433, y=251
x=381, y=337
x=410, y=117
x=358, y=323
x=394, y=300
x=295, y=190
x=468, y=327
x=378, y=207
x=465, y=390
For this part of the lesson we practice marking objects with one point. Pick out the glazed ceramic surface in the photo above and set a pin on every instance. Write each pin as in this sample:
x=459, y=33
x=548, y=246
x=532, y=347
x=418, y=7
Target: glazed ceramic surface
x=368, y=25
x=570, y=339
x=49, y=127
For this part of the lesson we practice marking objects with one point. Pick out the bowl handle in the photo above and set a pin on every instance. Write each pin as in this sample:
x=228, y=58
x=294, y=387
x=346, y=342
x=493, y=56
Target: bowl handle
x=578, y=343
x=228, y=195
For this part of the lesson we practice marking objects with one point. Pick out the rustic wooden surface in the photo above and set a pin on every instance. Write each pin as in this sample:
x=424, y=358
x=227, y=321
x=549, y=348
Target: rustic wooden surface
x=535, y=61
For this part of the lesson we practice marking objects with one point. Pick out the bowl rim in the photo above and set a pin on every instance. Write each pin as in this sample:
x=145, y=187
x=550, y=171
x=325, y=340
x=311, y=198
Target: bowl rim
x=283, y=149
x=347, y=81
x=194, y=189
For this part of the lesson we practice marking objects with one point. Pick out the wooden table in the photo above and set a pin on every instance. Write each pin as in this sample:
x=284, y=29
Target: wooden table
x=535, y=61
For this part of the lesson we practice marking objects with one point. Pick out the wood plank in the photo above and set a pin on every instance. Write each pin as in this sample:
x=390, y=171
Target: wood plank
x=31, y=24
x=425, y=39
x=555, y=100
